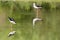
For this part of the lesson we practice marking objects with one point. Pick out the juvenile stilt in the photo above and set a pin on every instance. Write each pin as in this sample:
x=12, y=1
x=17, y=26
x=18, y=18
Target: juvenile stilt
x=37, y=7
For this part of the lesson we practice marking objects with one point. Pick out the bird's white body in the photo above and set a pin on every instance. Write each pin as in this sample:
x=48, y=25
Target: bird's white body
x=11, y=33
x=12, y=22
x=36, y=19
x=35, y=6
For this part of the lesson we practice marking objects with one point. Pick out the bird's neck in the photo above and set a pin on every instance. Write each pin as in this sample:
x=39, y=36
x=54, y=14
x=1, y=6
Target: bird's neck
x=34, y=4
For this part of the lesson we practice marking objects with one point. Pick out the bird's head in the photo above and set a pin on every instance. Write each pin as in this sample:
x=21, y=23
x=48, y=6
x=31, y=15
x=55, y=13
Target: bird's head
x=34, y=3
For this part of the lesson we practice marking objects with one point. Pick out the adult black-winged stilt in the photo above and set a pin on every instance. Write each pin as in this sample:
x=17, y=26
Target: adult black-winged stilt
x=37, y=18
x=12, y=21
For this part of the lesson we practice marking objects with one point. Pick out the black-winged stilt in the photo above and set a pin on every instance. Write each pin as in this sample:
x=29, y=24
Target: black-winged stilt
x=11, y=20
x=37, y=18
x=36, y=6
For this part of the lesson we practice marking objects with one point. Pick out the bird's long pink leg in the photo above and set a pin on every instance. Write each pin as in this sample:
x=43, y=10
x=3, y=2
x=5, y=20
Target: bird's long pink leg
x=37, y=14
x=11, y=28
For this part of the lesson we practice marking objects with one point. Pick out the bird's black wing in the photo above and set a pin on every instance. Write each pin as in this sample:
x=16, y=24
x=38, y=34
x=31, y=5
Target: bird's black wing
x=11, y=19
